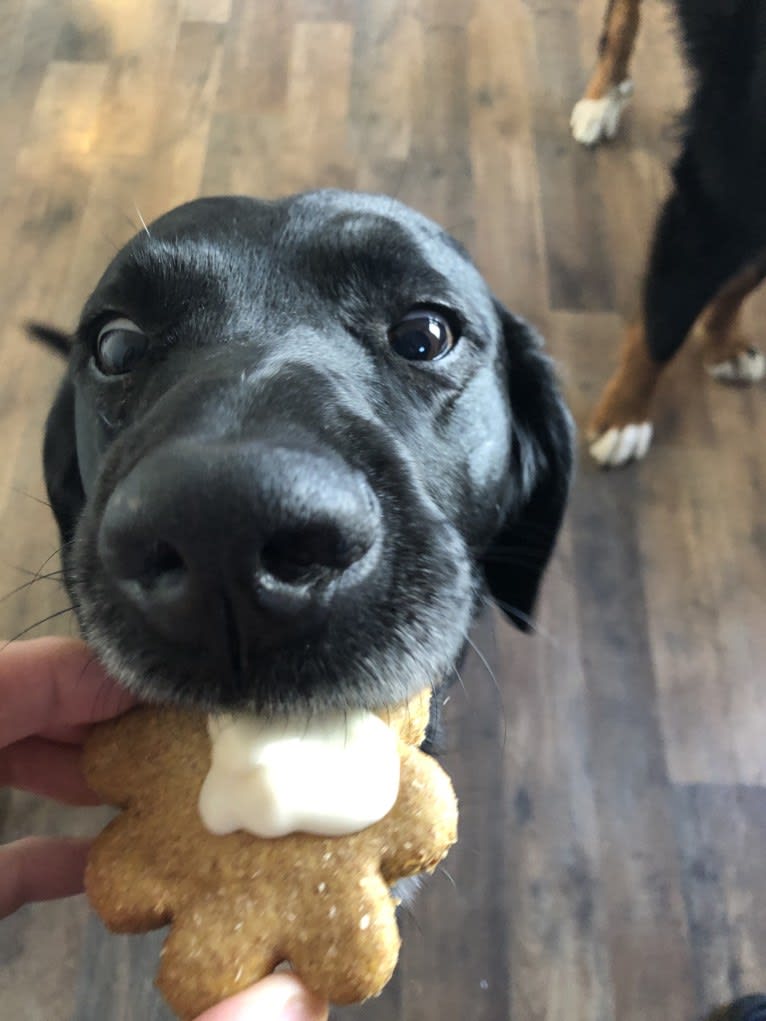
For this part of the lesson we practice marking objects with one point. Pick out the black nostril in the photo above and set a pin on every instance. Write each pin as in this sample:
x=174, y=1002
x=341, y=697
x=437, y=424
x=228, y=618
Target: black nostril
x=314, y=553
x=162, y=564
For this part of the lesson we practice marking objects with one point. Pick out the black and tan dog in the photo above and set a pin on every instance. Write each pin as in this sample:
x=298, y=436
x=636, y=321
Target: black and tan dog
x=708, y=250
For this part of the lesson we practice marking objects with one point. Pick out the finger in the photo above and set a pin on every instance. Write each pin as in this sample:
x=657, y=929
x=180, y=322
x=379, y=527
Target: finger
x=40, y=868
x=53, y=682
x=278, y=998
x=75, y=734
x=48, y=768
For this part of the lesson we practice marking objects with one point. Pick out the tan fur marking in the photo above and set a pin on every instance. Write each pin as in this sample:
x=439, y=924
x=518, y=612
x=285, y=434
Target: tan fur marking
x=627, y=396
x=719, y=325
x=615, y=47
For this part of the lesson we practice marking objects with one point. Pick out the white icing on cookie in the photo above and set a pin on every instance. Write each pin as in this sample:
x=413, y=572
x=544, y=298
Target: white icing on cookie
x=329, y=775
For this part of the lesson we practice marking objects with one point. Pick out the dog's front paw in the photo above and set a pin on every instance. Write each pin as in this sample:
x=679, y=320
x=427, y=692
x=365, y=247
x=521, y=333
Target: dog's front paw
x=593, y=120
x=745, y=367
x=621, y=444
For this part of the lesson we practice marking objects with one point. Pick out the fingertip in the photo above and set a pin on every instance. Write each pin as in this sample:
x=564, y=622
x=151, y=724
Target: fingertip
x=280, y=997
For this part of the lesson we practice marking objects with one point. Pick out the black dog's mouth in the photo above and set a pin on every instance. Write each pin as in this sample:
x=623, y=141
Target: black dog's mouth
x=351, y=662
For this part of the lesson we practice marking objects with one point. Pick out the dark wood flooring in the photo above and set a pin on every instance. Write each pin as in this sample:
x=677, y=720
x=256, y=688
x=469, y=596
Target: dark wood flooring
x=611, y=770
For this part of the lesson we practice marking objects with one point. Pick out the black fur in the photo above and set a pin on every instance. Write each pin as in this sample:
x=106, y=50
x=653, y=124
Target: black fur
x=268, y=323
x=51, y=337
x=714, y=222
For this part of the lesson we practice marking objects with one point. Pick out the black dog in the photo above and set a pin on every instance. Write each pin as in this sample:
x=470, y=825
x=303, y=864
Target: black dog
x=290, y=436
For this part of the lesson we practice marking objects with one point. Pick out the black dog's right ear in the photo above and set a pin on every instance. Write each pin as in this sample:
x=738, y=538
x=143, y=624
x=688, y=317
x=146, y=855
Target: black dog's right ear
x=62, y=470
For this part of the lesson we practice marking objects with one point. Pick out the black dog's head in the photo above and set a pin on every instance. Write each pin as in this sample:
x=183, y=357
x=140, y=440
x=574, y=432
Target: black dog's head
x=293, y=439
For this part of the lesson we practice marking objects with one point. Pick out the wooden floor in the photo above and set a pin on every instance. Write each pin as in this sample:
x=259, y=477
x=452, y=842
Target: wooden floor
x=612, y=773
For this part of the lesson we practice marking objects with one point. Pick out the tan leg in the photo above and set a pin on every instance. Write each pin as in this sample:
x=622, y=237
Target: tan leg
x=727, y=354
x=619, y=429
x=615, y=47
x=597, y=115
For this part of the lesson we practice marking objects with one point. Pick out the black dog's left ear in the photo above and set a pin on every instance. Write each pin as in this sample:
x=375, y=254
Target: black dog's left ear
x=61, y=466
x=542, y=453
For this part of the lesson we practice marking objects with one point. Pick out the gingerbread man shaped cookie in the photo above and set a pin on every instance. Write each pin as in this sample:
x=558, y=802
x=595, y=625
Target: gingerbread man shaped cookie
x=238, y=904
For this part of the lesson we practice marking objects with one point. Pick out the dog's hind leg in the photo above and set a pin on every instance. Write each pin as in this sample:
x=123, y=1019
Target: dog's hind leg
x=693, y=255
x=597, y=115
x=728, y=356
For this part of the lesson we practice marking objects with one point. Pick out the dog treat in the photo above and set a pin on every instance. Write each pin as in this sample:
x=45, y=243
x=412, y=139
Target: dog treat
x=241, y=904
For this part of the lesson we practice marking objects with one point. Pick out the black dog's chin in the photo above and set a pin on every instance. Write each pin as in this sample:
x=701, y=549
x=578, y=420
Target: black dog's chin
x=305, y=680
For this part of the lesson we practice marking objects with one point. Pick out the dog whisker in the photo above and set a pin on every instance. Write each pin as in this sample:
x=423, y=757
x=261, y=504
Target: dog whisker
x=23, y=570
x=47, y=560
x=37, y=623
x=532, y=541
x=449, y=876
x=51, y=576
x=143, y=221
x=485, y=663
x=533, y=625
x=522, y=528
x=88, y=664
x=531, y=548
x=525, y=618
x=457, y=228
x=406, y=908
x=528, y=540
x=531, y=560
x=461, y=682
x=31, y=496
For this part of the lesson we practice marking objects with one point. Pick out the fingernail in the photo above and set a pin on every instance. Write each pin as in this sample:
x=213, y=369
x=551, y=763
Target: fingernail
x=303, y=1007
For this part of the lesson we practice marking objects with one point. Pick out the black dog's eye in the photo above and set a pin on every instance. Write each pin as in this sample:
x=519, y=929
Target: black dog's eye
x=120, y=345
x=422, y=335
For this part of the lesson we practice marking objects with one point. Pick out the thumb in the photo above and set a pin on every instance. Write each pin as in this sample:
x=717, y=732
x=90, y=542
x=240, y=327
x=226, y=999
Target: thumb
x=281, y=997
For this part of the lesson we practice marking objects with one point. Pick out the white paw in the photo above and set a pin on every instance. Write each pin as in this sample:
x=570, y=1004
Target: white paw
x=618, y=446
x=595, y=119
x=746, y=367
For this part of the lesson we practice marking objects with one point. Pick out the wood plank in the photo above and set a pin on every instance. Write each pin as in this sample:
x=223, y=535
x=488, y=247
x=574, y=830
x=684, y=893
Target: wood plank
x=722, y=830
x=559, y=950
x=436, y=177
x=580, y=275
x=179, y=148
x=315, y=150
x=471, y=888
x=256, y=60
x=218, y=11
x=650, y=961
x=142, y=45
x=509, y=248
x=388, y=55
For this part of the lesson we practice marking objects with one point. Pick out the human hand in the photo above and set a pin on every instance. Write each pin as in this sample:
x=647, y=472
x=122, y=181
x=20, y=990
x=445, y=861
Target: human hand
x=51, y=692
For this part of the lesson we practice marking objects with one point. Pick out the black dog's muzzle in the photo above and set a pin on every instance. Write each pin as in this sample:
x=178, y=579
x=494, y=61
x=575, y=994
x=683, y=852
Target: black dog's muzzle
x=238, y=545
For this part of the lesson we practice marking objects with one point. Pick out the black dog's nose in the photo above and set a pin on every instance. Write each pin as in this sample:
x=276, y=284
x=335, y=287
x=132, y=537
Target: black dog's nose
x=236, y=543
